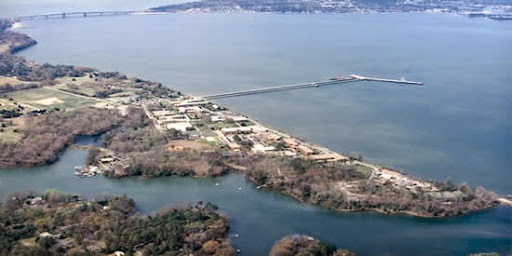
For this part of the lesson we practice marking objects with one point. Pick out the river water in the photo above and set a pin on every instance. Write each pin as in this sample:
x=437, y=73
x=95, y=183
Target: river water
x=458, y=125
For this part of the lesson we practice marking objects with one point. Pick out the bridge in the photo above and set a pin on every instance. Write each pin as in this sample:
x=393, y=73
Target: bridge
x=64, y=15
x=332, y=81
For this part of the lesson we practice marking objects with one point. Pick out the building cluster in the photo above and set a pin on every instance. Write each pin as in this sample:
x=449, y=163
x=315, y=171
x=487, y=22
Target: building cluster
x=397, y=179
x=201, y=120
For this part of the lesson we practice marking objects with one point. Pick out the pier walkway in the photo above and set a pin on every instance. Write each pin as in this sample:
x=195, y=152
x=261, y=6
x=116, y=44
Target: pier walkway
x=277, y=88
x=398, y=81
x=337, y=80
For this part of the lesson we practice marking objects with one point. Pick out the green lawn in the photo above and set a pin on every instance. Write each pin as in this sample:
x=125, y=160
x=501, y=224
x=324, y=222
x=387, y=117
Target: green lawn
x=46, y=98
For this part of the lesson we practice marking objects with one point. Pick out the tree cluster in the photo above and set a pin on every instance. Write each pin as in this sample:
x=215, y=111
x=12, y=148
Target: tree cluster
x=301, y=245
x=323, y=184
x=146, y=153
x=59, y=224
x=44, y=137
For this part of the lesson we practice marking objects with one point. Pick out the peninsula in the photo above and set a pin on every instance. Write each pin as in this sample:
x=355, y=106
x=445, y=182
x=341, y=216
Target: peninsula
x=149, y=130
x=10, y=41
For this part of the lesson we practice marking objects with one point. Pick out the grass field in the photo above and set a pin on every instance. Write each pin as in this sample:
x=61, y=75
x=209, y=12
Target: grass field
x=89, y=86
x=10, y=80
x=8, y=134
x=46, y=98
x=364, y=169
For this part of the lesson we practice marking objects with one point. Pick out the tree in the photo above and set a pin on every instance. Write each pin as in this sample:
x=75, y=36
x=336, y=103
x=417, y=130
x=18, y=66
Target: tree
x=46, y=242
x=92, y=153
x=211, y=247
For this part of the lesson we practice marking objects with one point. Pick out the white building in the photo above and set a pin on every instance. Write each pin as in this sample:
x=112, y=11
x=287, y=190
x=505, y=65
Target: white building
x=259, y=148
x=182, y=127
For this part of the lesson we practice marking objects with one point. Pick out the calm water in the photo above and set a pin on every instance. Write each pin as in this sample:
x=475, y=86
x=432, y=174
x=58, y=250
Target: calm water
x=260, y=217
x=458, y=125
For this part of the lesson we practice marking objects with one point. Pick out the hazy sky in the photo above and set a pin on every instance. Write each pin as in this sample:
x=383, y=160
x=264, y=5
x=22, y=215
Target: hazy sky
x=11, y=8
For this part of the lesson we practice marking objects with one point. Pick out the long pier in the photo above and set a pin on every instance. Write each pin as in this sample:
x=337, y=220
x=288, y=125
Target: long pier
x=332, y=81
x=279, y=88
x=398, y=81
x=64, y=15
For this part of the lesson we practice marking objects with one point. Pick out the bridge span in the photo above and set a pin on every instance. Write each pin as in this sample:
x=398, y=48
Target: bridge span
x=64, y=15
x=332, y=81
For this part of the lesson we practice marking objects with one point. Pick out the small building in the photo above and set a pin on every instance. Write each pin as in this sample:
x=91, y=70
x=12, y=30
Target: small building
x=290, y=142
x=161, y=113
x=234, y=146
x=273, y=137
x=236, y=130
x=106, y=160
x=326, y=158
x=215, y=119
x=304, y=150
x=192, y=102
x=36, y=201
x=259, y=148
x=182, y=127
x=239, y=118
x=288, y=153
x=172, y=119
x=258, y=129
x=193, y=109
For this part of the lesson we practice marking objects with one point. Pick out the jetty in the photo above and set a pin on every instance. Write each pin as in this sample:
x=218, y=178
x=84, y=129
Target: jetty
x=332, y=81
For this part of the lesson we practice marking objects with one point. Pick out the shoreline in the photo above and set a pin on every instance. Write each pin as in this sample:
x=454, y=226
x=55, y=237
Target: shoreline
x=375, y=170
x=11, y=41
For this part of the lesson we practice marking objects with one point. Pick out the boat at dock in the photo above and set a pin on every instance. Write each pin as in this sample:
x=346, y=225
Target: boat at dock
x=87, y=171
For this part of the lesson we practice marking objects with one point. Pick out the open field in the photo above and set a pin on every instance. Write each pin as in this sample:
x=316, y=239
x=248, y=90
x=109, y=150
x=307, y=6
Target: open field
x=88, y=86
x=188, y=144
x=45, y=98
x=9, y=134
x=10, y=80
